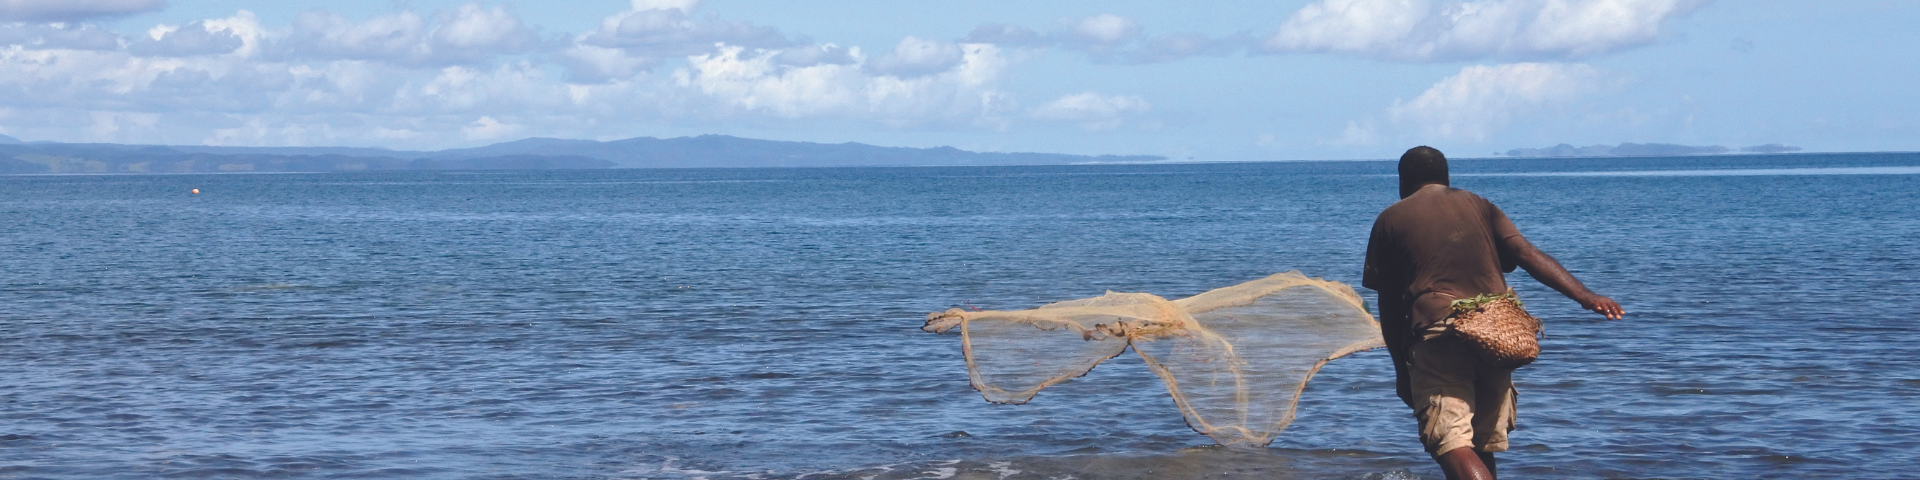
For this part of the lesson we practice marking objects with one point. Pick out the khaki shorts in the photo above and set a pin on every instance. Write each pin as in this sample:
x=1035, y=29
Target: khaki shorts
x=1458, y=402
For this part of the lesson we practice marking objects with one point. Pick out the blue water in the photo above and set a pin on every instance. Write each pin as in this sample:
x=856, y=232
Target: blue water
x=762, y=323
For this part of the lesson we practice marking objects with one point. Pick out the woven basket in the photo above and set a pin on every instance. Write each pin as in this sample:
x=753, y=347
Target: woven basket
x=1500, y=331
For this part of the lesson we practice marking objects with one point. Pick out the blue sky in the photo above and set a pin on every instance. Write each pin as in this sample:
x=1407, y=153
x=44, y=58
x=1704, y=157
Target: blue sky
x=1223, y=80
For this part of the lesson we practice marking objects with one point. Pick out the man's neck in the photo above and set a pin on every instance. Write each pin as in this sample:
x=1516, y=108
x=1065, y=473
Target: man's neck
x=1424, y=187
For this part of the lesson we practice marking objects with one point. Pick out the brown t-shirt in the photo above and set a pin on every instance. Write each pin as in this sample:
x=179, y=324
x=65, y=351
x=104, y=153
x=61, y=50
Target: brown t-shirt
x=1433, y=247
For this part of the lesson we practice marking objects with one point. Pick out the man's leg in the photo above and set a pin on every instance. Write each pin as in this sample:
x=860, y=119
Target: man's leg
x=1443, y=374
x=1493, y=469
x=1493, y=413
x=1465, y=464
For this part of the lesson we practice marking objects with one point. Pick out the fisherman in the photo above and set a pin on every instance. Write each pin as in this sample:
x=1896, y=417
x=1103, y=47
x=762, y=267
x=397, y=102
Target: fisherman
x=1436, y=245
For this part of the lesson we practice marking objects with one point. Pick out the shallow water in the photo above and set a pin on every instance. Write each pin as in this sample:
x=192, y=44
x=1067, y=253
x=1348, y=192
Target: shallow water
x=762, y=323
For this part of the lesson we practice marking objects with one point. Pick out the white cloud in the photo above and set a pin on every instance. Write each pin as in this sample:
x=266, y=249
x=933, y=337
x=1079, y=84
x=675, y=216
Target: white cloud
x=1093, y=111
x=1481, y=99
x=58, y=36
x=1425, y=30
x=915, y=56
x=1112, y=38
x=1008, y=35
x=744, y=82
x=391, y=37
x=1107, y=29
x=474, y=32
x=110, y=123
x=681, y=5
x=755, y=82
x=242, y=24
x=487, y=128
x=73, y=10
x=431, y=80
x=591, y=64
x=653, y=31
x=468, y=35
x=810, y=55
x=1400, y=30
x=195, y=38
x=1357, y=133
x=672, y=31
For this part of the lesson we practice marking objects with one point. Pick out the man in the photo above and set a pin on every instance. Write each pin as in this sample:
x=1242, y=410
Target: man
x=1436, y=245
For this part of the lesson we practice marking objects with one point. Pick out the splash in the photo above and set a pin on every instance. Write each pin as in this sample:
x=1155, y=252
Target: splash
x=1235, y=359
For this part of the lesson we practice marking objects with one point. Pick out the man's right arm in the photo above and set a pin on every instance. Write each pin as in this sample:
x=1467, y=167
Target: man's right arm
x=1385, y=273
x=1549, y=272
x=1395, y=328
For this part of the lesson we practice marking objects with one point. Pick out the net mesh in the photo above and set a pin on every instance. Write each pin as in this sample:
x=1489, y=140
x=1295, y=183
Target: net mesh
x=1235, y=359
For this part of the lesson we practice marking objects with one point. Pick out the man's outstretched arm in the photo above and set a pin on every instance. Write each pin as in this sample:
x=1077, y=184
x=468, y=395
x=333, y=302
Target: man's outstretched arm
x=1549, y=272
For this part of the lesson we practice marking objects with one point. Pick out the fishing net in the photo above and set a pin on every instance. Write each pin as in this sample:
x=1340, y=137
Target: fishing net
x=1235, y=359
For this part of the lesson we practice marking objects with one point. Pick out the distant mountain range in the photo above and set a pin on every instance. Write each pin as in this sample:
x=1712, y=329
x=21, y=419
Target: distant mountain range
x=528, y=154
x=1642, y=150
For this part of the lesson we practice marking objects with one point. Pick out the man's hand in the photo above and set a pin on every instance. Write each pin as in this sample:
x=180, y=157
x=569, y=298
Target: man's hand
x=1602, y=305
x=1549, y=272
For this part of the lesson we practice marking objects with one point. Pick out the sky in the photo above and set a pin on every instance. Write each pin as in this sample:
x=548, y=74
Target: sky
x=1226, y=80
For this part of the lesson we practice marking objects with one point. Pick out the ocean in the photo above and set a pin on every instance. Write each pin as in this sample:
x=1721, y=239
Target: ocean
x=763, y=323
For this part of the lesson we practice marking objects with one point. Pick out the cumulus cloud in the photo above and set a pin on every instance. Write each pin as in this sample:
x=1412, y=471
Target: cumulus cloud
x=915, y=56
x=476, y=33
x=248, y=84
x=810, y=55
x=487, y=128
x=58, y=36
x=196, y=38
x=653, y=31
x=667, y=28
x=1112, y=38
x=1003, y=34
x=591, y=64
x=475, y=73
x=741, y=81
x=1481, y=99
x=1398, y=30
x=1357, y=133
x=199, y=88
x=1093, y=111
x=1105, y=31
x=73, y=10
x=681, y=5
x=1426, y=30
x=397, y=36
x=468, y=35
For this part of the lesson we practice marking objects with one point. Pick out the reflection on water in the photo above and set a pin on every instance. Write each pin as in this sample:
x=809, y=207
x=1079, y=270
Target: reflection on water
x=763, y=323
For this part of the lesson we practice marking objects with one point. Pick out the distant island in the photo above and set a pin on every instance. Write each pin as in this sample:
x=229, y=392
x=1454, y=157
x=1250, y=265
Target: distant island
x=1642, y=150
x=17, y=157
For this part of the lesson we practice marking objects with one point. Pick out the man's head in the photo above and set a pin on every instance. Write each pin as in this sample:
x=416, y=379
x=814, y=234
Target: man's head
x=1420, y=166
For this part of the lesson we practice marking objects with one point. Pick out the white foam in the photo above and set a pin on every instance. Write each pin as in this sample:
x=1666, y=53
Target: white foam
x=1004, y=469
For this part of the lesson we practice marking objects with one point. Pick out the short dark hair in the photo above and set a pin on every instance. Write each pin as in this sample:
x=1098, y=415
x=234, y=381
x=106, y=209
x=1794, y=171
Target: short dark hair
x=1420, y=166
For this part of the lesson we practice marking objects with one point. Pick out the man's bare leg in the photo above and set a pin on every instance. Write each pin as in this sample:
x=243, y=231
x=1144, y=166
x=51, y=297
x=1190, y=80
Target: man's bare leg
x=1486, y=458
x=1465, y=464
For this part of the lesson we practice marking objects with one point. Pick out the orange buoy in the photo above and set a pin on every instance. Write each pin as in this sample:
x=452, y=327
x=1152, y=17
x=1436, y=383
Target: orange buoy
x=196, y=191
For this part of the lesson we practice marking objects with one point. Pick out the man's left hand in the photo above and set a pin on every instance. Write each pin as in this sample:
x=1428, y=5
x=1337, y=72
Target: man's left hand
x=1604, y=306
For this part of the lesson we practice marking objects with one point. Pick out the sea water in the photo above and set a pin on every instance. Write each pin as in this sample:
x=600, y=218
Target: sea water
x=763, y=323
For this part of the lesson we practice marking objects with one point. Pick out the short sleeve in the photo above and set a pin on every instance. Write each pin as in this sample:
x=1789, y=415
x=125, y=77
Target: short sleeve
x=1502, y=229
